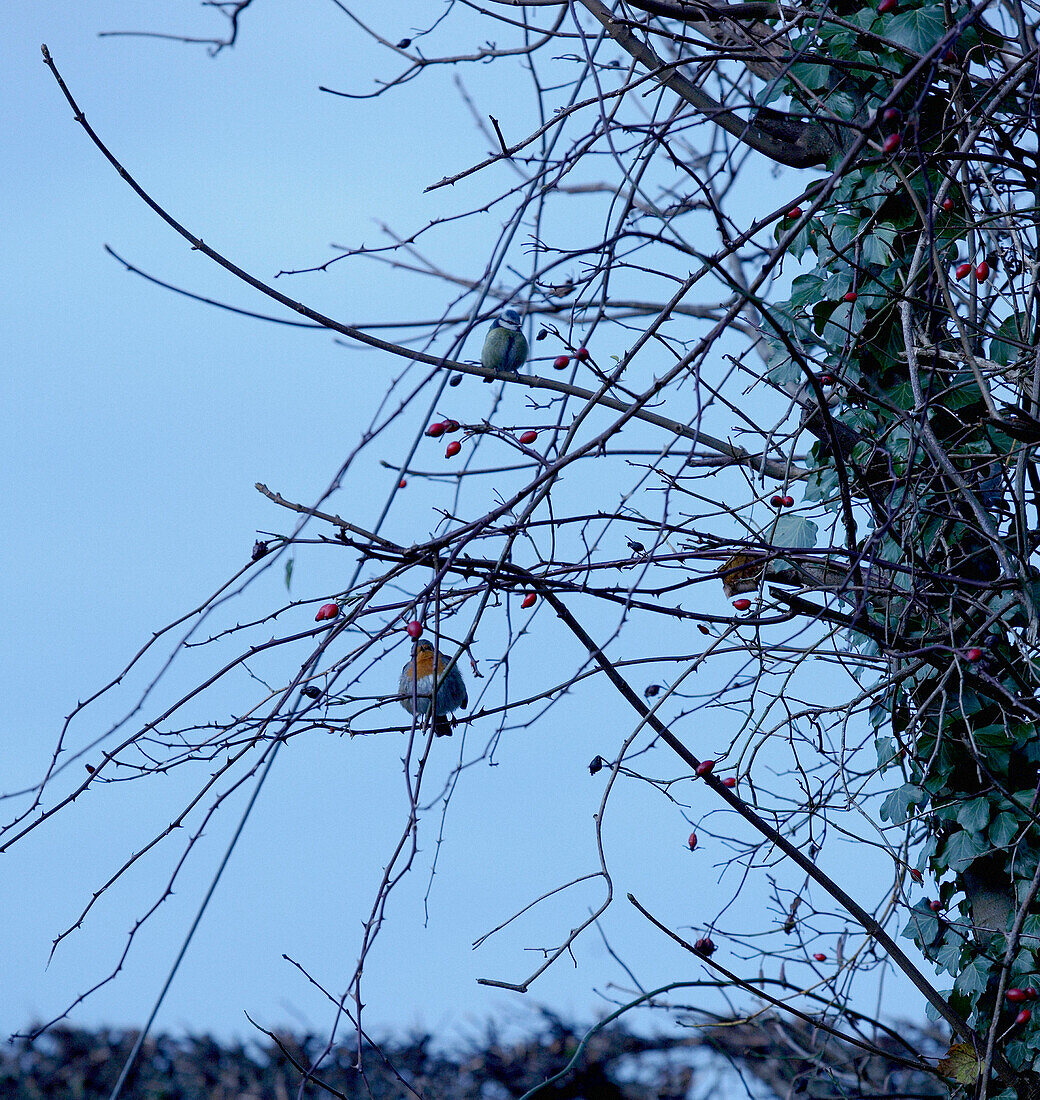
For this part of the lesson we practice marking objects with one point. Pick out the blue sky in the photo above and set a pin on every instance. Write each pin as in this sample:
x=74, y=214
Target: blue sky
x=135, y=423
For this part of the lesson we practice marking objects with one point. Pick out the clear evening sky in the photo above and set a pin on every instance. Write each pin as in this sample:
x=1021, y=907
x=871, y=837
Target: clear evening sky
x=135, y=423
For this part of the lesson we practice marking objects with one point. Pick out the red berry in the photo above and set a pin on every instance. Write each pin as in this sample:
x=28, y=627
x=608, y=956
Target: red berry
x=886, y=6
x=1030, y=994
x=692, y=842
x=826, y=379
x=452, y=449
x=777, y=502
x=916, y=875
x=963, y=270
x=402, y=484
x=436, y=430
x=891, y=114
x=893, y=141
x=561, y=362
x=973, y=654
x=705, y=767
x=742, y=604
x=704, y=946
x=935, y=906
x=982, y=272
x=850, y=296
x=529, y=600
x=1023, y=1017
x=947, y=205
x=794, y=212
x=583, y=355
x=729, y=781
x=327, y=611
x=788, y=502
x=820, y=957
x=414, y=629
x=1016, y=996
x=528, y=437
x=450, y=426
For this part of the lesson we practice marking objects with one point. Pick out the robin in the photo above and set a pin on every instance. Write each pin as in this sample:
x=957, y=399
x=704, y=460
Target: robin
x=417, y=684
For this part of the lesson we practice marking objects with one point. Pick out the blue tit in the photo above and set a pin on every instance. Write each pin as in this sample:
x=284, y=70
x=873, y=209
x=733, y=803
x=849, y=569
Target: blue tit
x=505, y=348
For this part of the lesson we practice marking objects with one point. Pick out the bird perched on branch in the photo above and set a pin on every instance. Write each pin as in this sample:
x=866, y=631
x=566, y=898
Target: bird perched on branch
x=417, y=687
x=505, y=347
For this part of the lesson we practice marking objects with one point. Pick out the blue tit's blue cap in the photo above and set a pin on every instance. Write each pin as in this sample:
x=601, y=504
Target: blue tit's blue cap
x=511, y=318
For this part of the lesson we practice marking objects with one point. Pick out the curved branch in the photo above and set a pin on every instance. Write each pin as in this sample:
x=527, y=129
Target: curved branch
x=796, y=144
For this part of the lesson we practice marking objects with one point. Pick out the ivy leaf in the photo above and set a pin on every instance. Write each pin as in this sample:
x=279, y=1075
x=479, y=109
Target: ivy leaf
x=948, y=957
x=877, y=245
x=917, y=30
x=1031, y=929
x=962, y=849
x=810, y=75
x=878, y=714
x=822, y=313
x=882, y=184
x=887, y=750
x=931, y=1011
x=973, y=815
x=822, y=483
x=896, y=807
x=974, y=978
x=1008, y=340
x=1003, y=830
x=805, y=290
x=961, y=1064
x=923, y=925
x=963, y=392
x=843, y=105
x=901, y=395
x=795, y=532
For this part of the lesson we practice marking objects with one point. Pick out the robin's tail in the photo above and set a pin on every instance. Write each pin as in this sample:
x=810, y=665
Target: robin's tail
x=442, y=726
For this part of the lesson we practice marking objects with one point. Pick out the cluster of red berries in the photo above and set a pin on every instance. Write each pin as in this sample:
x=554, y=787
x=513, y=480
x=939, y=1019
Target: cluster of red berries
x=562, y=362
x=448, y=427
x=1016, y=997
x=706, y=767
x=890, y=115
x=445, y=427
x=783, y=502
x=981, y=271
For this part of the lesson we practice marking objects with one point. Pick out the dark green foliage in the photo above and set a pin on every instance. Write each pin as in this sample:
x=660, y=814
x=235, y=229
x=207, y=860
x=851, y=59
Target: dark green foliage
x=72, y=1064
